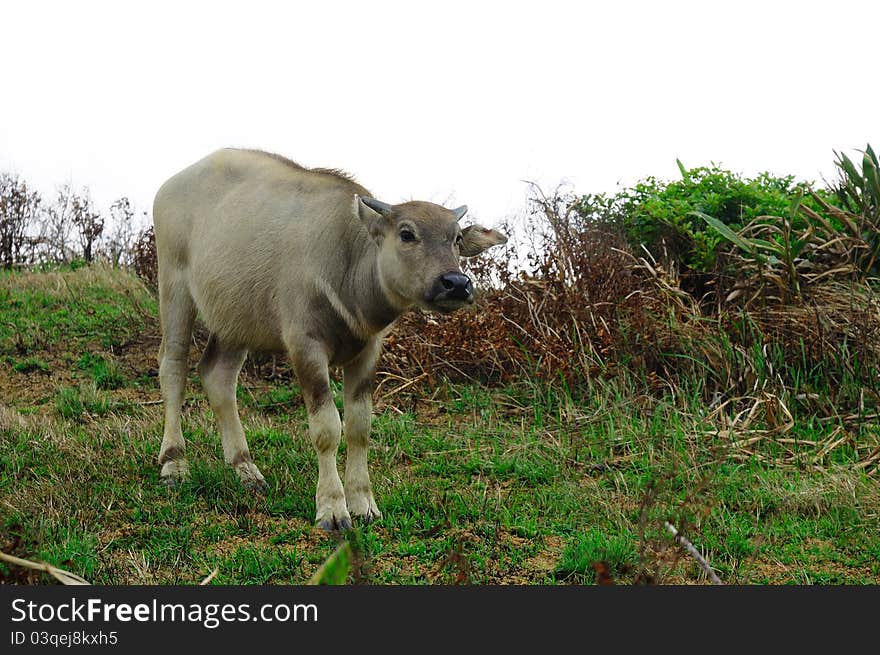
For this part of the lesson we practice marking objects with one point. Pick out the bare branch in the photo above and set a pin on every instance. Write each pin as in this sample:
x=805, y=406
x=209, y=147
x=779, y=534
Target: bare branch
x=64, y=577
x=689, y=547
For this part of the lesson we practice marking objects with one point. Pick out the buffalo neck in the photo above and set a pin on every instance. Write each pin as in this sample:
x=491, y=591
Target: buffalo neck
x=366, y=292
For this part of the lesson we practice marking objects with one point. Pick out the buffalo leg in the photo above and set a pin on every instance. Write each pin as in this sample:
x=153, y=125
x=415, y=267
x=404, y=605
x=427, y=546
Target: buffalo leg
x=310, y=363
x=219, y=368
x=358, y=415
x=177, y=313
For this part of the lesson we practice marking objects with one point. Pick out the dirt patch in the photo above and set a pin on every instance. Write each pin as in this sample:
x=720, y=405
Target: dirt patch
x=548, y=559
x=32, y=388
x=140, y=356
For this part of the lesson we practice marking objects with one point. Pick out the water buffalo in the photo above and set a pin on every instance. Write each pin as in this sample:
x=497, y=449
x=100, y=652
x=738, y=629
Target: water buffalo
x=276, y=257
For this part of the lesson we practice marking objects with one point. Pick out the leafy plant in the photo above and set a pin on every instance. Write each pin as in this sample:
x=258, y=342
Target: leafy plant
x=858, y=193
x=859, y=190
x=334, y=570
x=770, y=249
x=808, y=244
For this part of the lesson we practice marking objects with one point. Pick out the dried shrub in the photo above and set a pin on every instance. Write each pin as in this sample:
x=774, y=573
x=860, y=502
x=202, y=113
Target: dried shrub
x=144, y=259
x=19, y=206
x=88, y=222
x=563, y=320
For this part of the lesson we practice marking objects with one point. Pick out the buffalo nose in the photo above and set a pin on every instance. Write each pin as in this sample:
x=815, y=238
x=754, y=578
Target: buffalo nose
x=457, y=286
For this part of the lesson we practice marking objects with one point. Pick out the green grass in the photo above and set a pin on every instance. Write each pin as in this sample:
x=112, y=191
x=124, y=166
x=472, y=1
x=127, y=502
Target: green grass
x=517, y=485
x=78, y=402
x=106, y=374
x=39, y=311
x=29, y=365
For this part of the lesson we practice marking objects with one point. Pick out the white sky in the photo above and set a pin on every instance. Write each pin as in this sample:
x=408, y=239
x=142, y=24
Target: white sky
x=454, y=103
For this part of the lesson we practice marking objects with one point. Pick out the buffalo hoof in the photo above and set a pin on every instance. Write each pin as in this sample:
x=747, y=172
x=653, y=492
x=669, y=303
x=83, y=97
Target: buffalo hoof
x=256, y=486
x=251, y=478
x=372, y=516
x=363, y=507
x=174, y=472
x=335, y=525
x=369, y=517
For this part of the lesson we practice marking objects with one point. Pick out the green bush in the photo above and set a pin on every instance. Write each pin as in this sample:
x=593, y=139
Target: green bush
x=660, y=214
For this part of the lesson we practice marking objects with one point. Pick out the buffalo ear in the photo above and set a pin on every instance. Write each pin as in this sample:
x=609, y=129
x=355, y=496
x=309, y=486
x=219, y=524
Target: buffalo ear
x=375, y=215
x=476, y=238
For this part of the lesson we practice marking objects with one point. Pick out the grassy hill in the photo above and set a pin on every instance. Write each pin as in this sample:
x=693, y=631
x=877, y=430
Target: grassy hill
x=524, y=483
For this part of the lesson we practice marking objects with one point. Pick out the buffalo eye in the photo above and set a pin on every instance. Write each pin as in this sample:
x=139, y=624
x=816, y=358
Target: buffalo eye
x=458, y=240
x=407, y=236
